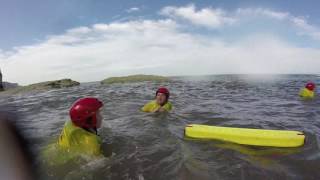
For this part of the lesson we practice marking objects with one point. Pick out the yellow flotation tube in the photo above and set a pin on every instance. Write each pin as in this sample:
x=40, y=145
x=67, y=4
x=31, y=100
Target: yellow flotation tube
x=257, y=137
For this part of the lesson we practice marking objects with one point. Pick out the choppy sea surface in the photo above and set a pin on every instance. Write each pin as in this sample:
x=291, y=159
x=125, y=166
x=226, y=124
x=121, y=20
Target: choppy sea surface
x=152, y=145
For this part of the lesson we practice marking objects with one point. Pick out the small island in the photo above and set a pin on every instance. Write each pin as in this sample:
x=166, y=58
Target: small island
x=43, y=86
x=135, y=78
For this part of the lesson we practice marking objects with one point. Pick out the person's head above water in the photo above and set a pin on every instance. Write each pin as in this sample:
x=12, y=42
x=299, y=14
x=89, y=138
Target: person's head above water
x=311, y=86
x=162, y=96
x=85, y=113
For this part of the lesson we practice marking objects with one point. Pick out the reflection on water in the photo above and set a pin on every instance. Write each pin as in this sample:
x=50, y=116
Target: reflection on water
x=152, y=146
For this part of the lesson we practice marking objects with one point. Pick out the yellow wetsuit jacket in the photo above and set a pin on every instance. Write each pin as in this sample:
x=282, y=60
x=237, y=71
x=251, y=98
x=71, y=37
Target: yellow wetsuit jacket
x=152, y=106
x=73, y=142
x=306, y=93
x=78, y=140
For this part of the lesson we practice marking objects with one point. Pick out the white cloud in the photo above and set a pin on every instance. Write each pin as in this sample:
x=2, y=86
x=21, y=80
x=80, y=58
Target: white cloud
x=306, y=28
x=207, y=17
x=218, y=18
x=298, y=22
x=79, y=30
x=155, y=47
x=249, y=12
x=133, y=9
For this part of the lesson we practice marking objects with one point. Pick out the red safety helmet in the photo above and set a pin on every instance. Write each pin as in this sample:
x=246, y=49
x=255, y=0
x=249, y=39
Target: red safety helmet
x=83, y=112
x=164, y=91
x=310, y=86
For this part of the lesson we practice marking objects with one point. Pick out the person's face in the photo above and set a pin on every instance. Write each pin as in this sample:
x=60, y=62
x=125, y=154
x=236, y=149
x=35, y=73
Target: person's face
x=99, y=119
x=161, y=99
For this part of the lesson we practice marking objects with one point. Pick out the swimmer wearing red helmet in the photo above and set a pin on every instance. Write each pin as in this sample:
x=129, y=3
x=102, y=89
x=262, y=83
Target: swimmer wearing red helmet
x=308, y=92
x=161, y=102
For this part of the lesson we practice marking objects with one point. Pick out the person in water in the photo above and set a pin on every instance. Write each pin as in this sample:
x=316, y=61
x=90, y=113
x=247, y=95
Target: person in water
x=308, y=91
x=161, y=102
x=80, y=133
x=78, y=143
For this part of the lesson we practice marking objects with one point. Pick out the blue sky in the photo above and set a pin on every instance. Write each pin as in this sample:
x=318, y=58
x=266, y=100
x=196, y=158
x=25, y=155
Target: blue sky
x=108, y=38
x=24, y=22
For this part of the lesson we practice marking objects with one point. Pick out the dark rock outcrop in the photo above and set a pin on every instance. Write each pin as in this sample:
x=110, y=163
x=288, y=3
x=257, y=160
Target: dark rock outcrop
x=43, y=86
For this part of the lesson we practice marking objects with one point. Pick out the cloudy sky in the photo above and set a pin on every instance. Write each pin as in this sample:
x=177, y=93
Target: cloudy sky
x=89, y=40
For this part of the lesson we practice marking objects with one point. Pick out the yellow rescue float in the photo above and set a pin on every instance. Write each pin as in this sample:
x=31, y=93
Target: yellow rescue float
x=256, y=137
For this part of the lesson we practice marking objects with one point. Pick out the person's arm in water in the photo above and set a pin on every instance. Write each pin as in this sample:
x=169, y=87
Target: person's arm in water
x=160, y=109
x=150, y=107
x=165, y=108
x=145, y=108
